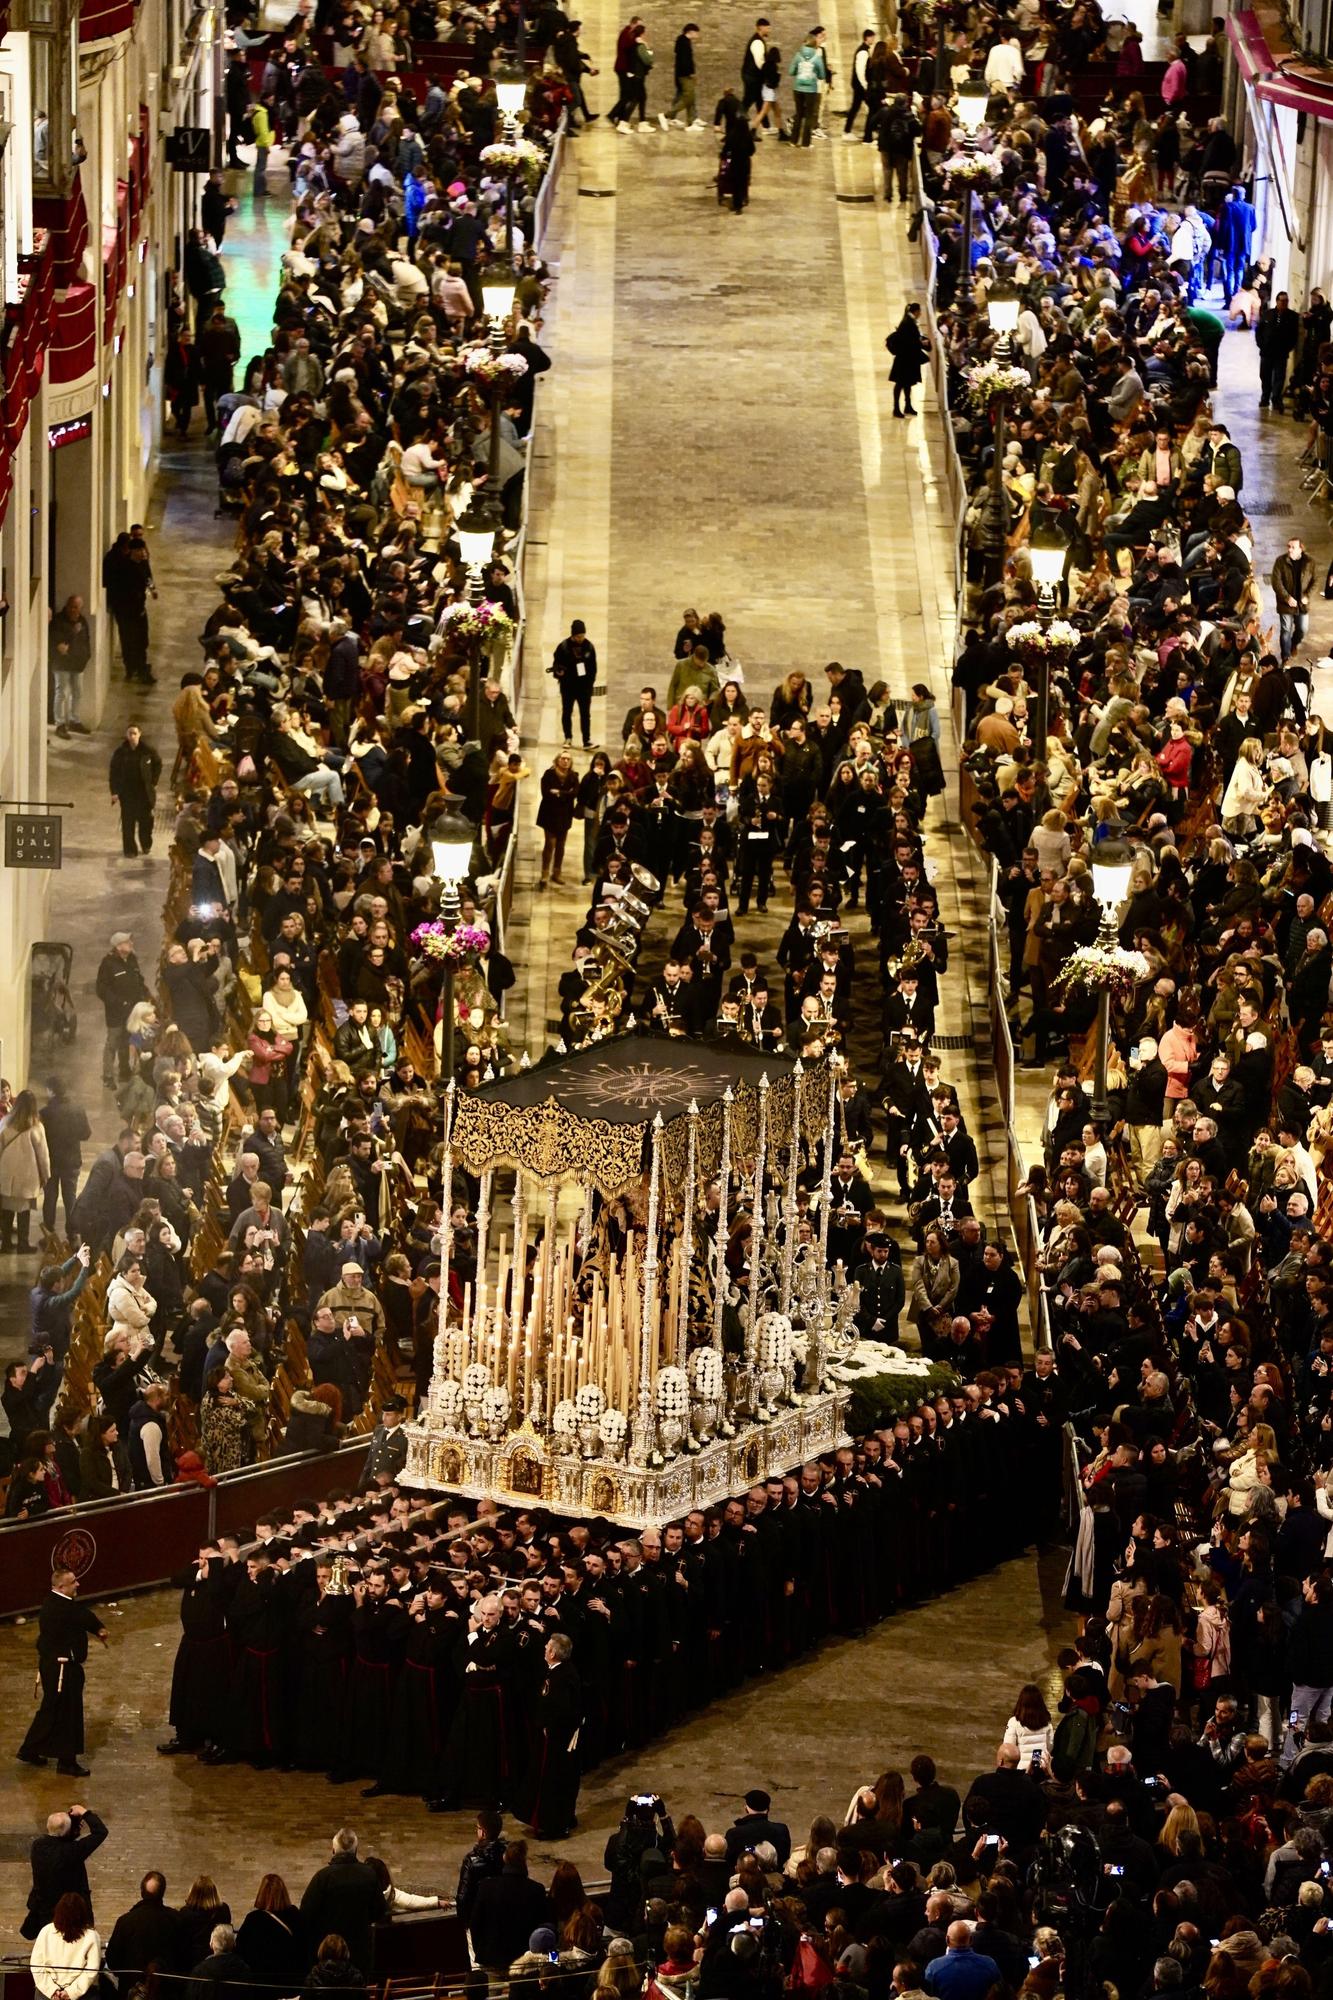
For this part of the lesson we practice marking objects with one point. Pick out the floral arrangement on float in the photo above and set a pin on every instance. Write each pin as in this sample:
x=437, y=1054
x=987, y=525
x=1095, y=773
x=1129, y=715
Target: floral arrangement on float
x=466, y=620
x=482, y=364
x=1094, y=966
x=989, y=379
x=962, y=167
x=436, y=940
x=1031, y=637
x=514, y=156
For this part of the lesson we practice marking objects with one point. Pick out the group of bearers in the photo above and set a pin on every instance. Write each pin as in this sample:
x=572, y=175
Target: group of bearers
x=477, y=1658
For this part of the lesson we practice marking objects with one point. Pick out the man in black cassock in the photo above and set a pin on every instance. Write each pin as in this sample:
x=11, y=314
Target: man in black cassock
x=63, y=1626
x=201, y=1677
x=477, y=1751
x=555, y=1789
x=257, y=1716
x=379, y=1641
x=322, y=1634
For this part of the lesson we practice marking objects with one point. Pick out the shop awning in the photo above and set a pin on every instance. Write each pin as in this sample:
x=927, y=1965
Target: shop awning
x=1278, y=75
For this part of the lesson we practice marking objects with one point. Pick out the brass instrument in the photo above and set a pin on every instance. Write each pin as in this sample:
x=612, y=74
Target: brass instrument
x=644, y=880
x=338, y=1584
x=913, y=955
x=604, y=970
x=629, y=908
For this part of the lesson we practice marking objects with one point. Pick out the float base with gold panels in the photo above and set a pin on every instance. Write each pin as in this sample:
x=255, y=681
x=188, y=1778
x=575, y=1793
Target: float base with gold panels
x=522, y=1471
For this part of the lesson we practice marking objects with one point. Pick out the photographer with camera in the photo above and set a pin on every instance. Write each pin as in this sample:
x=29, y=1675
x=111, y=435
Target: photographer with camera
x=638, y=1849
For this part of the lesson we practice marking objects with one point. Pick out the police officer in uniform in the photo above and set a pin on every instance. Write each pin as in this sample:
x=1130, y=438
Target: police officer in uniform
x=388, y=1441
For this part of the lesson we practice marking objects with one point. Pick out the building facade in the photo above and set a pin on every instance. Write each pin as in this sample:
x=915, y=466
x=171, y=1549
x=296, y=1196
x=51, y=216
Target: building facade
x=93, y=221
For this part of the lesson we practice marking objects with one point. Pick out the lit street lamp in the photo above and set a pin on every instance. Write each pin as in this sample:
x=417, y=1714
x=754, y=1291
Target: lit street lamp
x=451, y=845
x=475, y=534
x=1047, y=554
x=1002, y=308
x=973, y=102
x=511, y=94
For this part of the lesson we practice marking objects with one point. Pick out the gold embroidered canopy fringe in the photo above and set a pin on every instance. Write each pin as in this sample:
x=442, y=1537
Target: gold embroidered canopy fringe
x=587, y=1118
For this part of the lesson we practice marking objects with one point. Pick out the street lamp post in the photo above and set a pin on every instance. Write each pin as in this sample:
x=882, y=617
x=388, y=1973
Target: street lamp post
x=475, y=533
x=451, y=846
x=497, y=290
x=1002, y=308
x=973, y=102
x=1112, y=861
x=511, y=94
x=1046, y=553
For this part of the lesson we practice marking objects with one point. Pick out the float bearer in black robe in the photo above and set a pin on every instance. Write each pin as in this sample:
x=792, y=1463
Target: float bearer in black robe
x=379, y=1640
x=555, y=1788
x=201, y=1677
x=323, y=1646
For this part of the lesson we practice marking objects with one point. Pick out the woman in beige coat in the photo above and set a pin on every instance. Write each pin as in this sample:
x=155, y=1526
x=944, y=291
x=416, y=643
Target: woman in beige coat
x=25, y=1167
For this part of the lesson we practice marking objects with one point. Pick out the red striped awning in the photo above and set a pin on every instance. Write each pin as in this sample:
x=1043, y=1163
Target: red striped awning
x=65, y=219
x=16, y=387
x=74, y=334
x=100, y=19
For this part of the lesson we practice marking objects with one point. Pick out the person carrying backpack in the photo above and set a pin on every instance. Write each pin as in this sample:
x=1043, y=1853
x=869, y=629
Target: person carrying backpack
x=899, y=130
x=808, y=72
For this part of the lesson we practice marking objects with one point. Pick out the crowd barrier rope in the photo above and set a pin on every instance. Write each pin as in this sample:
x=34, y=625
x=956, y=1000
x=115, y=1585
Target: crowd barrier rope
x=133, y=1541
x=1022, y=1209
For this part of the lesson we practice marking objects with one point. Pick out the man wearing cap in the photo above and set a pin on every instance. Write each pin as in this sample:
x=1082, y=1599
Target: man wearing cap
x=120, y=987
x=388, y=1443
x=574, y=666
x=753, y=1827
x=881, y=1284
x=353, y=1300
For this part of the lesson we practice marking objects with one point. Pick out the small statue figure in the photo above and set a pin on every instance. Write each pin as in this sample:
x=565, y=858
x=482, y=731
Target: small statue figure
x=476, y=1381
x=707, y=1380
x=613, y=1430
x=673, y=1409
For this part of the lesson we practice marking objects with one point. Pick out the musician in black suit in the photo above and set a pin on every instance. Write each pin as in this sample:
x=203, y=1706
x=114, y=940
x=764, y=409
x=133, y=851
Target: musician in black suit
x=906, y=1099
x=760, y=1021
x=849, y=1199
x=958, y=1145
x=907, y=1010
x=670, y=1003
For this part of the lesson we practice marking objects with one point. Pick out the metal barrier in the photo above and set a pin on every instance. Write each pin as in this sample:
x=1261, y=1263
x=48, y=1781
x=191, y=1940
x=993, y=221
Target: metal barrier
x=541, y=213
x=134, y=1540
x=939, y=375
x=1075, y=1497
x=514, y=677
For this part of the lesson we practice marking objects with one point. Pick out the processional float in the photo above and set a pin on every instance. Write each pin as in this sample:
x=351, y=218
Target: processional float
x=606, y=1361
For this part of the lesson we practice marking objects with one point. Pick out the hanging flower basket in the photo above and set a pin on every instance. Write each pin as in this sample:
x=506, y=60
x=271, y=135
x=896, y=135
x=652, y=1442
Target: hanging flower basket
x=1030, y=637
x=475, y=621
x=437, y=941
x=1094, y=966
x=482, y=364
x=962, y=167
x=989, y=379
x=514, y=156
